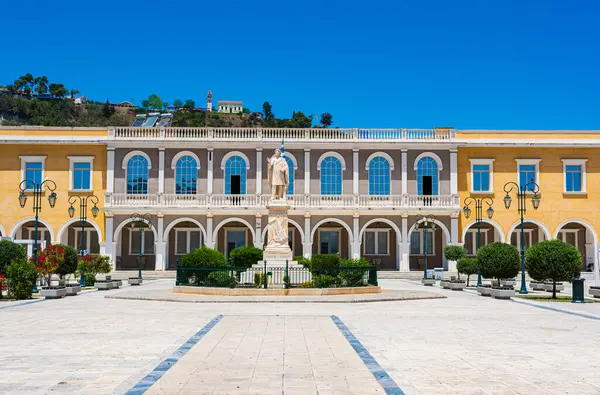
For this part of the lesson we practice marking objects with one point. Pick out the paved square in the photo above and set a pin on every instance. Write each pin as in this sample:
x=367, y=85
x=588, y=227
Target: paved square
x=463, y=344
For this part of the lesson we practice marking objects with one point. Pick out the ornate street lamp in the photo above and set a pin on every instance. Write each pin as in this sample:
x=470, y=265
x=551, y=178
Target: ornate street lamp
x=521, y=192
x=428, y=222
x=37, y=190
x=83, y=201
x=141, y=220
x=478, y=219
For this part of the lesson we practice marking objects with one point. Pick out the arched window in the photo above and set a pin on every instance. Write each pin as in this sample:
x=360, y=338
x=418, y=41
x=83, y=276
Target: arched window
x=291, y=173
x=235, y=176
x=379, y=176
x=331, y=176
x=137, y=175
x=427, y=176
x=186, y=176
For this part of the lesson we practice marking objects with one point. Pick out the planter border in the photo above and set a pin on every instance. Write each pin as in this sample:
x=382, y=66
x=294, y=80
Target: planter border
x=185, y=289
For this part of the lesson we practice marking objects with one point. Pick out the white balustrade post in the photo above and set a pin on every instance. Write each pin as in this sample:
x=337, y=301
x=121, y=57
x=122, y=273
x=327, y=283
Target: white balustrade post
x=209, y=242
x=209, y=172
x=307, y=246
x=110, y=169
x=307, y=171
x=259, y=171
x=108, y=237
x=404, y=172
x=161, y=170
x=405, y=263
x=453, y=172
x=355, y=171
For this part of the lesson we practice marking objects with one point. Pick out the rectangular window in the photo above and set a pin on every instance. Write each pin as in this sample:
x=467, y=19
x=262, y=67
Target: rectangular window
x=481, y=178
x=471, y=240
x=376, y=242
x=82, y=175
x=34, y=172
x=186, y=241
x=526, y=175
x=147, y=242
x=515, y=238
x=574, y=175
x=91, y=245
x=329, y=241
x=417, y=241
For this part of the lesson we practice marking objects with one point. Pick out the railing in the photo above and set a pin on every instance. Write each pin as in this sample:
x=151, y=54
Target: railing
x=278, y=134
x=295, y=201
x=275, y=277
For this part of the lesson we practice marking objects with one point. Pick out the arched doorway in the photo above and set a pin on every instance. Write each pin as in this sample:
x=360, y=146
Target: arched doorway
x=127, y=235
x=583, y=236
x=332, y=236
x=182, y=236
x=436, y=240
x=379, y=240
x=491, y=232
x=70, y=234
x=233, y=233
x=534, y=232
x=23, y=233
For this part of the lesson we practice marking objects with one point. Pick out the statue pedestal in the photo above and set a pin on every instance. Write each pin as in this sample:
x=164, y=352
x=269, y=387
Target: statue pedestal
x=277, y=249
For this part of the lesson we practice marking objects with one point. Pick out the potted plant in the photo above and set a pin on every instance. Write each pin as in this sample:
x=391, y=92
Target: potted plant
x=91, y=265
x=73, y=289
x=445, y=284
x=47, y=263
x=467, y=266
x=537, y=285
x=22, y=275
x=484, y=289
x=428, y=282
x=104, y=285
x=134, y=280
x=499, y=260
x=457, y=285
x=454, y=253
x=595, y=291
x=555, y=261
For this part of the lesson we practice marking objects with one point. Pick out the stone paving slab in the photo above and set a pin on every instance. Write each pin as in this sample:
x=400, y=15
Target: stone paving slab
x=167, y=295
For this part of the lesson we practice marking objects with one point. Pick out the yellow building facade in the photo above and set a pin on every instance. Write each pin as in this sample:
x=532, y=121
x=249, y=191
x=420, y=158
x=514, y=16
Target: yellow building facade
x=462, y=163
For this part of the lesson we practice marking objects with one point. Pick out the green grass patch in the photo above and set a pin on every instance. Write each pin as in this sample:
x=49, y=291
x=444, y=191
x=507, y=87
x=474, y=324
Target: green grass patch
x=548, y=298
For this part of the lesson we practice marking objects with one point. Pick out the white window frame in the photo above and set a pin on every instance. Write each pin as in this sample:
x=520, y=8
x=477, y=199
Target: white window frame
x=334, y=229
x=80, y=159
x=421, y=244
x=563, y=236
x=528, y=235
x=575, y=162
x=236, y=229
x=490, y=164
x=41, y=234
x=88, y=239
x=134, y=232
x=376, y=231
x=32, y=158
x=484, y=236
x=535, y=162
x=189, y=239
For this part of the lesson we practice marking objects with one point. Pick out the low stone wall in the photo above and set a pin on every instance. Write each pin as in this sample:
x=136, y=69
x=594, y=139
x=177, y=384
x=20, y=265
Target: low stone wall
x=276, y=292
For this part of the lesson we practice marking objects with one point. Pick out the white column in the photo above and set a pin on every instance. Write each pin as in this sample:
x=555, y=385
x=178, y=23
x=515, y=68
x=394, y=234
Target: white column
x=110, y=170
x=161, y=170
x=307, y=246
x=108, y=237
x=355, y=171
x=453, y=239
x=596, y=268
x=160, y=261
x=404, y=172
x=209, y=173
x=258, y=242
x=209, y=242
x=453, y=172
x=355, y=252
x=259, y=171
x=307, y=171
x=405, y=264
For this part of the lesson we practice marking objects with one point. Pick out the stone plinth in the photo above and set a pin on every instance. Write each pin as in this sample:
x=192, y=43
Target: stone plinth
x=277, y=248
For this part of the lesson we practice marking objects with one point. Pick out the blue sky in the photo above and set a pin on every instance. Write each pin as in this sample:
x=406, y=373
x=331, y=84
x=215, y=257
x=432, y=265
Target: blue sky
x=509, y=64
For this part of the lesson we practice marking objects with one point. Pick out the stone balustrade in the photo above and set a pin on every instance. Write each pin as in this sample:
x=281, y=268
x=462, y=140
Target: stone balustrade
x=217, y=201
x=278, y=134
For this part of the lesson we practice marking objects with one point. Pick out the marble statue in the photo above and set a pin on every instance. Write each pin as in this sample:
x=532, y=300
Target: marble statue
x=278, y=175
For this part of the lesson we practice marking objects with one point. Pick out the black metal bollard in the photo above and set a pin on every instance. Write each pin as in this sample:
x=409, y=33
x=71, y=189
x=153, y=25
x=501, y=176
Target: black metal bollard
x=578, y=290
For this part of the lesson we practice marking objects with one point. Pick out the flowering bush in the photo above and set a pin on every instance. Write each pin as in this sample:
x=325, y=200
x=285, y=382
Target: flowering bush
x=92, y=264
x=3, y=284
x=49, y=260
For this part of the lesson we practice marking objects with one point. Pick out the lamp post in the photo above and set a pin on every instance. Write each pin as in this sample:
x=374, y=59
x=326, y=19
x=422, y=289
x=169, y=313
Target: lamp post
x=478, y=218
x=521, y=192
x=37, y=190
x=428, y=222
x=141, y=220
x=83, y=202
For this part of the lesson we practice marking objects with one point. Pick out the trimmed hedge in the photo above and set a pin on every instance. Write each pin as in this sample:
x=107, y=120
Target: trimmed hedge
x=499, y=260
x=467, y=266
x=9, y=252
x=353, y=272
x=204, y=257
x=302, y=261
x=454, y=253
x=553, y=260
x=245, y=256
x=322, y=262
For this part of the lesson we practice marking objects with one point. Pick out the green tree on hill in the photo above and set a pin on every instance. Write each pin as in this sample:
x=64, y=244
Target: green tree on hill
x=326, y=119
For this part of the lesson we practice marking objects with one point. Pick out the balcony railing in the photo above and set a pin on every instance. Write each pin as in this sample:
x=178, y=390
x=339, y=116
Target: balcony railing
x=277, y=134
x=122, y=200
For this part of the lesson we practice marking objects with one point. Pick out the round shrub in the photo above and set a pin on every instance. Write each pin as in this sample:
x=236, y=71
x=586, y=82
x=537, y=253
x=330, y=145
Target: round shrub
x=326, y=281
x=246, y=256
x=69, y=264
x=89, y=279
x=354, y=272
x=9, y=252
x=204, y=257
x=454, y=253
x=219, y=279
x=94, y=264
x=22, y=276
x=553, y=260
x=467, y=266
x=322, y=262
x=499, y=260
x=302, y=261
